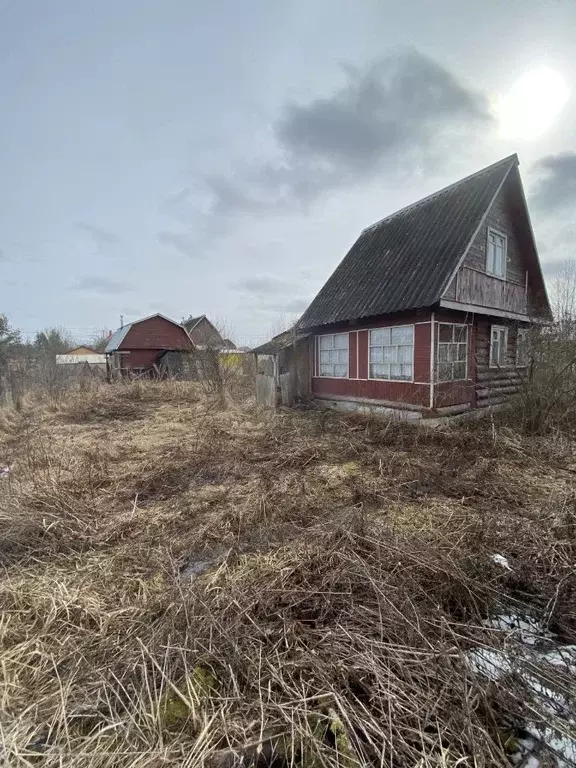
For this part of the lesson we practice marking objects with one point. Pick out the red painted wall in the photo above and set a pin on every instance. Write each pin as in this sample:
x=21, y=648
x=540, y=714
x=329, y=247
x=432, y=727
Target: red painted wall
x=353, y=356
x=362, y=354
x=392, y=391
x=140, y=358
x=358, y=385
x=147, y=339
x=156, y=333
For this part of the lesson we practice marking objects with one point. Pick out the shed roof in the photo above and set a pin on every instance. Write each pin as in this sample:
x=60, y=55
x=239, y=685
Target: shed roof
x=405, y=260
x=281, y=341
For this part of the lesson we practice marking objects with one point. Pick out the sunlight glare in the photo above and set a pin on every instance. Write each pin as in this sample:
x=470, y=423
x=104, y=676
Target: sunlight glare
x=532, y=104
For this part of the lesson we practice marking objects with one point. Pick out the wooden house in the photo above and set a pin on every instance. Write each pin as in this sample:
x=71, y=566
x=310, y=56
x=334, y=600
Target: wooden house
x=136, y=349
x=204, y=333
x=429, y=310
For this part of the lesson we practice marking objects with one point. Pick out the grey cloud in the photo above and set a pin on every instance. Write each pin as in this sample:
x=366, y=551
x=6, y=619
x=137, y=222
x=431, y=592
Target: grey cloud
x=131, y=311
x=102, y=238
x=398, y=106
x=228, y=196
x=296, y=305
x=553, y=268
x=556, y=185
x=178, y=205
x=271, y=294
x=395, y=101
x=290, y=306
x=97, y=284
x=265, y=285
x=182, y=242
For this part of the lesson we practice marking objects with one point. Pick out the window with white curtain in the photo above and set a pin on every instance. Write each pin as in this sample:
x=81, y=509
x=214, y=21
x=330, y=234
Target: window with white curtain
x=333, y=355
x=391, y=353
x=496, y=254
x=452, y=352
x=498, y=345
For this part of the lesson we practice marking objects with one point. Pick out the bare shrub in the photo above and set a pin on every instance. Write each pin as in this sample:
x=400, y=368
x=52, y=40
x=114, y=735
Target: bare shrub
x=224, y=376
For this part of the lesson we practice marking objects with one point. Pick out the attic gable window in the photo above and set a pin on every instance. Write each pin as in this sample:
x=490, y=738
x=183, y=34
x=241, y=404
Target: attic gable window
x=333, y=355
x=496, y=254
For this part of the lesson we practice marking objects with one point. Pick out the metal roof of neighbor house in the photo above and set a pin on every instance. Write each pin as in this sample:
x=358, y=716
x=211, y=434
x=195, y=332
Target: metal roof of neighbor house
x=117, y=338
x=405, y=260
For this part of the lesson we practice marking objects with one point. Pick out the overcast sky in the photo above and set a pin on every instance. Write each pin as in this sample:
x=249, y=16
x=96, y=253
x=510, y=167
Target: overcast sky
x=220, y=157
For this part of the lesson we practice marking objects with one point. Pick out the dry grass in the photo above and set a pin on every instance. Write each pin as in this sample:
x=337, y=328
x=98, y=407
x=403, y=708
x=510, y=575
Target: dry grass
x=301, y=587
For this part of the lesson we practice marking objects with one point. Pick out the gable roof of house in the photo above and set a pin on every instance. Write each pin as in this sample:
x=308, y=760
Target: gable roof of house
x=406, y=260
x=198, y=333
x=115, y=341
x=192, y=322
x=74, y=350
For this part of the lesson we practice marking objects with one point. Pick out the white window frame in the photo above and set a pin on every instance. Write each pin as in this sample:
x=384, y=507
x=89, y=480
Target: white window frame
x=496, y=363
x=524, y=333
x=381, y=346
x=319, y=350
x=450, y=343
x=492, y=231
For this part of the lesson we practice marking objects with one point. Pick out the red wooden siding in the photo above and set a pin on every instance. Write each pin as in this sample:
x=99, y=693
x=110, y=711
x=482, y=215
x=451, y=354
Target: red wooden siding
x=362, y=354
x=360, y=386
x=156, y=333
x=353, y=355
x=422, y=352
x=416, y=393
x=140, y=358
x=387, y=391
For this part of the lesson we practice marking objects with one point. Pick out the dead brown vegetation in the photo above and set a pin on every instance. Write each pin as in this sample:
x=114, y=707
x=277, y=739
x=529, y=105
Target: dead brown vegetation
x=300, y=587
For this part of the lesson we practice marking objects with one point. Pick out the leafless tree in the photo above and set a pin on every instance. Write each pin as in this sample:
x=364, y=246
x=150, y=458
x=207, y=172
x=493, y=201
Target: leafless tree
x=563, y=296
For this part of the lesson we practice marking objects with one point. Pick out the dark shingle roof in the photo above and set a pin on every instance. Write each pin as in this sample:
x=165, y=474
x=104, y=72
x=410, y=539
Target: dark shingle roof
x=404, y=261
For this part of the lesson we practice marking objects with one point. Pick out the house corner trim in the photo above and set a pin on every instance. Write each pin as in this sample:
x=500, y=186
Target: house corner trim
x=432, y=345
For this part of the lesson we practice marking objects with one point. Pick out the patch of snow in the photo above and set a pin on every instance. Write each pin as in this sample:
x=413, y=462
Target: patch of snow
x=563, y=747
x=552, y=701
x=5, y=471
x=563, y=656
x=489, y=662
x=501, y=560
x=527, y=661
x=527, y=629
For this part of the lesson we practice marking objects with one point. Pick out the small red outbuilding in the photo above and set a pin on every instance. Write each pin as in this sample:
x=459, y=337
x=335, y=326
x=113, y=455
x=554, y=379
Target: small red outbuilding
x=136, y=348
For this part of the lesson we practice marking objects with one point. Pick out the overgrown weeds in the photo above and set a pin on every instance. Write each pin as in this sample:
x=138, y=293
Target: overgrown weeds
x=200, y=587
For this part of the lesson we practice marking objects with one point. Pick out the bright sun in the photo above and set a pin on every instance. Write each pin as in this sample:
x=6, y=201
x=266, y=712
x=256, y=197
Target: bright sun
x=532, y=104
